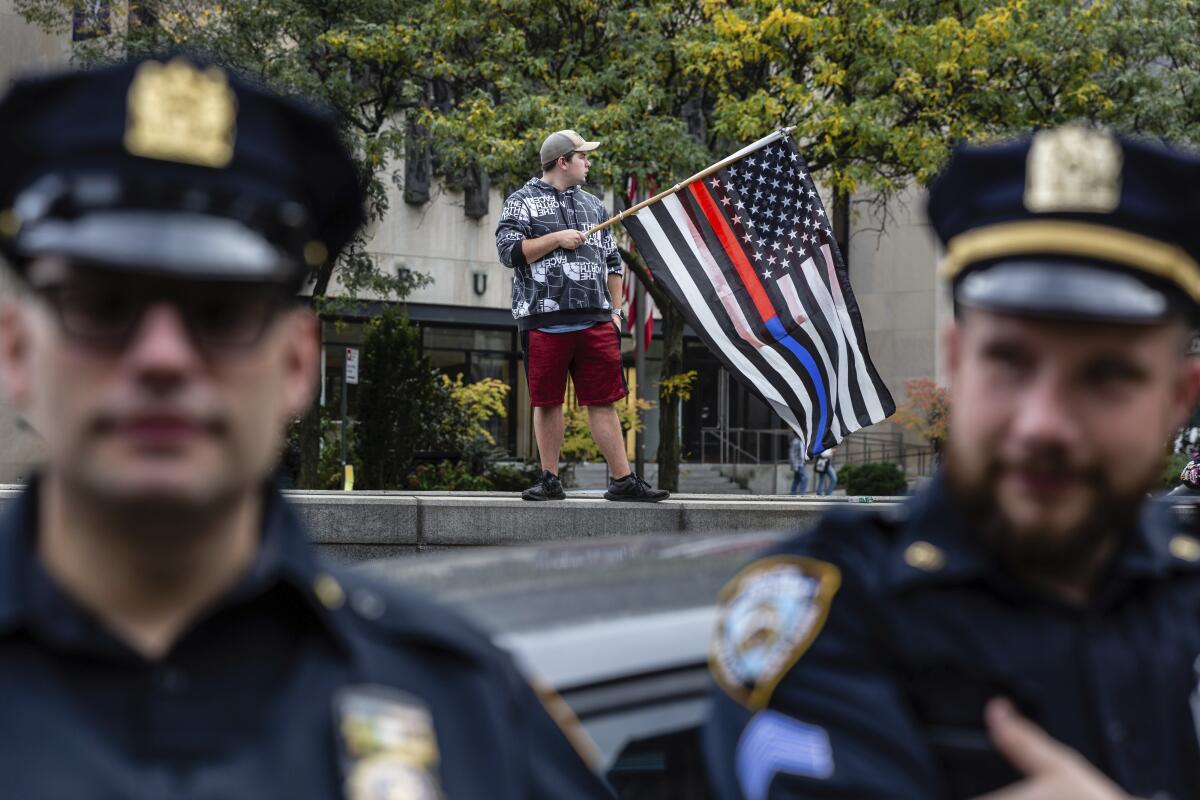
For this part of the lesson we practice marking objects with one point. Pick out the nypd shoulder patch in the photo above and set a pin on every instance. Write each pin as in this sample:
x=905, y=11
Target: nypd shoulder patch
x=769, y=616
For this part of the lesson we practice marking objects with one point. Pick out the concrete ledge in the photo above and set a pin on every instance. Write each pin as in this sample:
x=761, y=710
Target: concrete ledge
x=358, y=526
x=343, y=518
x=362, y=525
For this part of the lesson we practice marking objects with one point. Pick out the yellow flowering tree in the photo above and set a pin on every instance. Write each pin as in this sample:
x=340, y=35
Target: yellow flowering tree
x=879, y=90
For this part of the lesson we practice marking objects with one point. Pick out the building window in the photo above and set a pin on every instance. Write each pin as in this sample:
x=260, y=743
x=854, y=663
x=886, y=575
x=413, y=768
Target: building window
x=478, y=353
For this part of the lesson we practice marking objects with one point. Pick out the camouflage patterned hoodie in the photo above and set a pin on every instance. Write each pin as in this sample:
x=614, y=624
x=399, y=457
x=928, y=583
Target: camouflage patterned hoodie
x=564, y=286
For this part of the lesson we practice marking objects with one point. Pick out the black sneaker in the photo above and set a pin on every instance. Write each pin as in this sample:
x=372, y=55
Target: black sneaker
x=631, y=487
x=548, y=487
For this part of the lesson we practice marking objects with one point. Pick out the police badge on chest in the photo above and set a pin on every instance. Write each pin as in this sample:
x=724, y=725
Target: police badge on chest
x=387, y=746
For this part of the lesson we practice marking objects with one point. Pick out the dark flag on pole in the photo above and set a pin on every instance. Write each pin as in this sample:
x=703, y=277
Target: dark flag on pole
x=748, y=255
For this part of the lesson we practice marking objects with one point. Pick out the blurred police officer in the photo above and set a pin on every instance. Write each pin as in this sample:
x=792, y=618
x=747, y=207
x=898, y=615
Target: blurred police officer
x=1028, y=624
x=165, y=629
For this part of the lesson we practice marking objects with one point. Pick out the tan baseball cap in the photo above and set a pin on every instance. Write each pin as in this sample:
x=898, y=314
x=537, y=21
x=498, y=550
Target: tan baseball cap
x=560, y=143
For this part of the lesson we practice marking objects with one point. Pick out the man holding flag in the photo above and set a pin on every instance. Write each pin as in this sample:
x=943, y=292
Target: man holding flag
x=564, y=282
x=1025, y=627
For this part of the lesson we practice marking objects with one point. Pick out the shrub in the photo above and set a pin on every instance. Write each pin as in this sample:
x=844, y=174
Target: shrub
x=401, y=402
x=408, y=413
x=329, y=473
x=1169, y=478
x=447, y=476
x=578, y=444
x=873, y=479
x=514, y=477
x=845, y=475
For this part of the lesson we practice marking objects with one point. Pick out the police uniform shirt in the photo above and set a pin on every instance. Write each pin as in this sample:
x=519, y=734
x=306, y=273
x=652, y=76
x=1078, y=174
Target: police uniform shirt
x=301, y=683
x=855, y=661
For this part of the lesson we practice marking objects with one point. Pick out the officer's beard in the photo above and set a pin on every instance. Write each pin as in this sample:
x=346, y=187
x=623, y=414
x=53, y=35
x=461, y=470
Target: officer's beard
x=1075, y=555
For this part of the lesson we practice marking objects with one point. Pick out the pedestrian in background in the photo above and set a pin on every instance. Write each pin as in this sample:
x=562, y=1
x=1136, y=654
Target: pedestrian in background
x=797, y=457
x=1024, y=627
x=166, y=629
x=826, y=475
x=1189, y=478
x=563, y=299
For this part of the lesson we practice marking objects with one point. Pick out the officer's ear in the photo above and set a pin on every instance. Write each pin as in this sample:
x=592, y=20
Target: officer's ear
x=15, y=338
x=302, y=360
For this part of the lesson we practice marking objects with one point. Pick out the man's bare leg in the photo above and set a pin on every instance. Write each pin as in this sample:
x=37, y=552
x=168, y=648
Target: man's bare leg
x=606, y=430
x=548, y=426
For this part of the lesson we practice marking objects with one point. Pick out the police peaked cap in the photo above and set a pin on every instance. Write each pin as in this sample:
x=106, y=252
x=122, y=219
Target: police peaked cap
x=175, y=167
x=1072, y=223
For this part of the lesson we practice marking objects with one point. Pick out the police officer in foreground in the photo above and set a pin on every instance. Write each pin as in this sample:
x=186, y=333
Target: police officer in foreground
x=165, y=629
x=1028, y=624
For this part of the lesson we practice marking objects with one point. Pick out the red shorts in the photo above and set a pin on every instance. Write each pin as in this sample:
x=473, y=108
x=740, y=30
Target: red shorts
x=592, y=356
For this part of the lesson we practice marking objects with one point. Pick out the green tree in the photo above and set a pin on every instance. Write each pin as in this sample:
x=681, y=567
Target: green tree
x=293, y=46
x=483, y=81
x=406, y=409
x=880, y=90
x=1154, y=74
x=515, y=70
x=877, y=91
x=287, y=43
x=401, y=402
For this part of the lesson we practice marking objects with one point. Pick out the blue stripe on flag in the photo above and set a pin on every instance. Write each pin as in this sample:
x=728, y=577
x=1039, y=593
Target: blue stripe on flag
x=773, y=743
x=775, y=328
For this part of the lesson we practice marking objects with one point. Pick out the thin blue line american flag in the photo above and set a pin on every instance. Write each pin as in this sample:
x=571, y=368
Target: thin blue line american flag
x=748, y=255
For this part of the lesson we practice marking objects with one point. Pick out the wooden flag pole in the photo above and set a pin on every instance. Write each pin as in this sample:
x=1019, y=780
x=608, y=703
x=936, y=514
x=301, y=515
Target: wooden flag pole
x=698, y=176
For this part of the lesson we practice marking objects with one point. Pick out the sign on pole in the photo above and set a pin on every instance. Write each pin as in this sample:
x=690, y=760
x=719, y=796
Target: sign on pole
x=349, y=376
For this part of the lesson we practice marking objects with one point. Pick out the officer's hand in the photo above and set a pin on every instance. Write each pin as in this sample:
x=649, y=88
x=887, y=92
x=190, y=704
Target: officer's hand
x=1054, y=771
x=570, y=239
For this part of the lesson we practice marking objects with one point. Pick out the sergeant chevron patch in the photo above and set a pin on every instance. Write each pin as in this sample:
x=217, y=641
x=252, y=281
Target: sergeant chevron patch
x=769, y=615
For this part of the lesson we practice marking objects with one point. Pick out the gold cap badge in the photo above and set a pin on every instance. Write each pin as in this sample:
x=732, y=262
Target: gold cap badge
x=179, y=112
x=1073, y=169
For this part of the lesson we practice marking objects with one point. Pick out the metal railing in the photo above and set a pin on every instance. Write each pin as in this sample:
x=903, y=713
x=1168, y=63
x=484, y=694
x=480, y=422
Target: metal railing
x=890, y=448
x=770, y=446
x=744, y=445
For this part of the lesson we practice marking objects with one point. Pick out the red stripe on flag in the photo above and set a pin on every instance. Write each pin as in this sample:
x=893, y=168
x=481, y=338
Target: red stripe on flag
x=728, y=240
